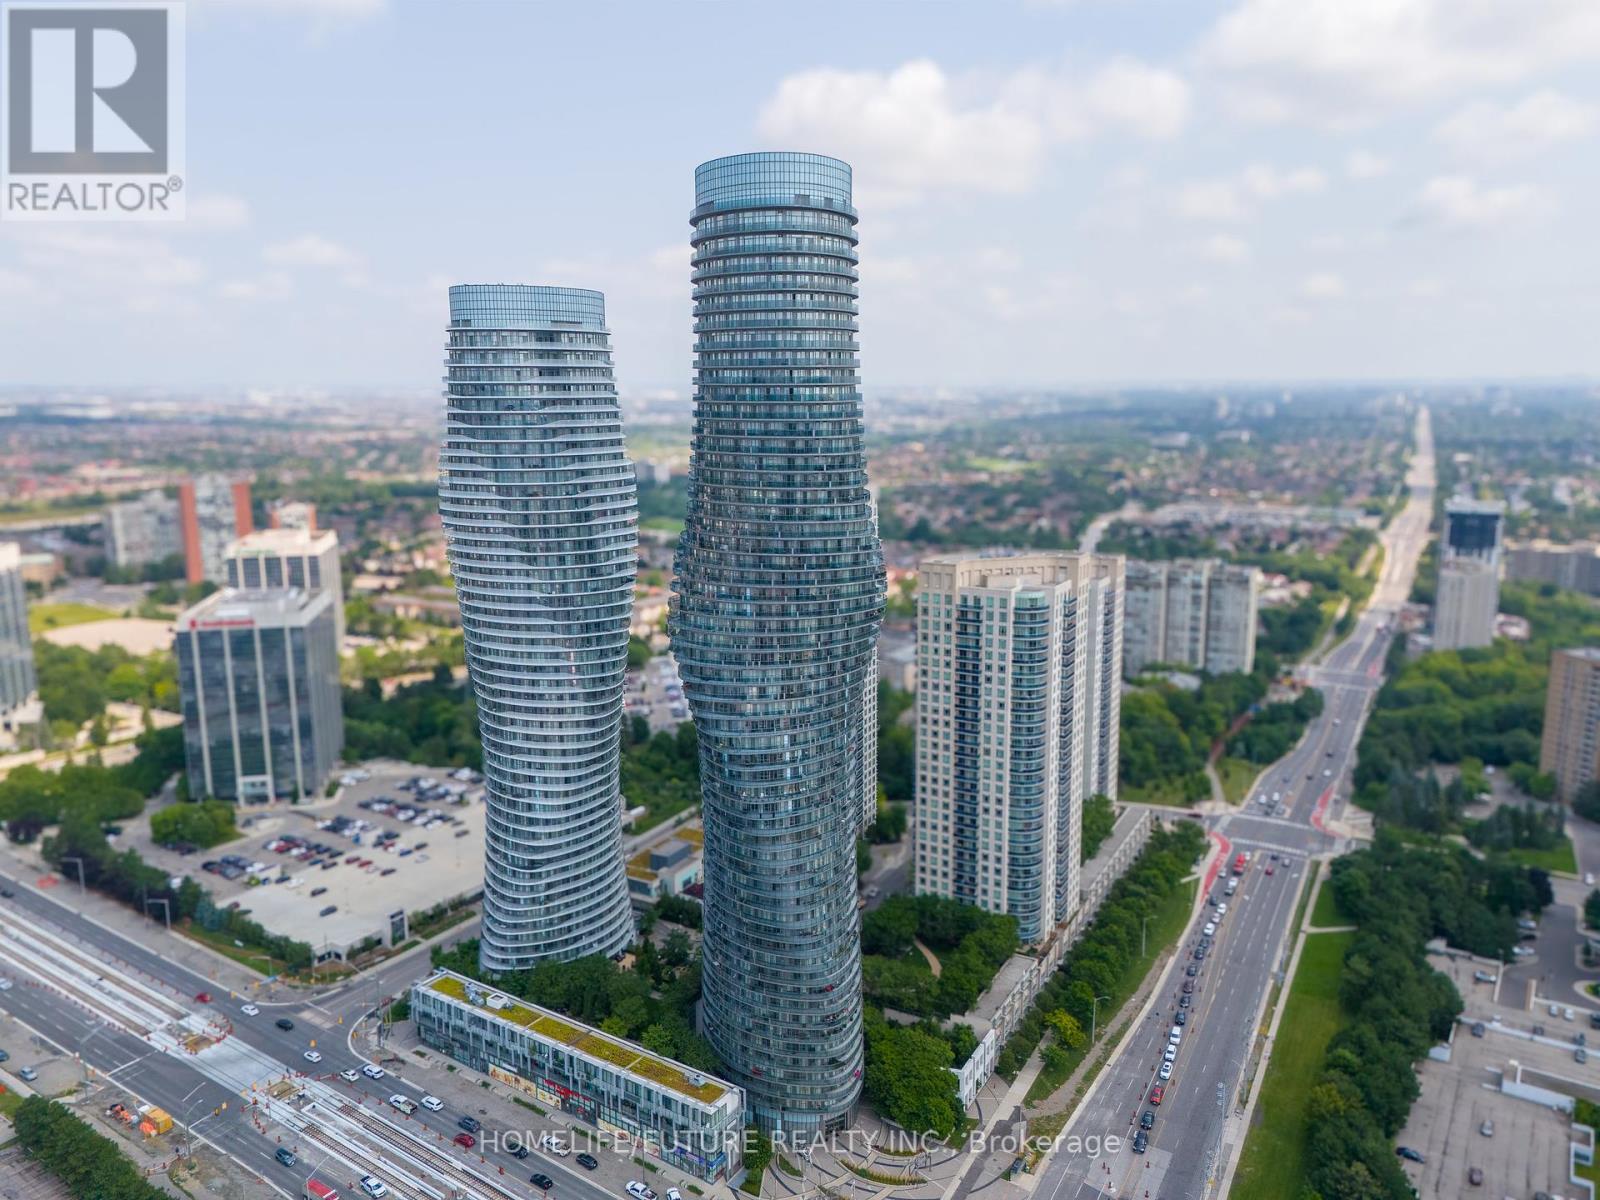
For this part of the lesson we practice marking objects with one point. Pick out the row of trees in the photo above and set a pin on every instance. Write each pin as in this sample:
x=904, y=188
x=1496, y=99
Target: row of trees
x=1272, y=731
x=971, y=945
x=653, y=1005
x=435, y=722
x=1395, y=1005
x=89, y=1164
x=75, y=684
x=908, y=1072
x=32, y=798
x=1110, y=946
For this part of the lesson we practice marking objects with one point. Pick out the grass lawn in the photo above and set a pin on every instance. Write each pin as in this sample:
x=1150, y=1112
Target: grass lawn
x=9, y=1103
x=57, y=616
x=1558, y=858
x=1324, y=913
x=1170, y=792
x=662, y=524
x=222, y=943
x=1237, y=775
x=1167, y=924
x=1273, y=1164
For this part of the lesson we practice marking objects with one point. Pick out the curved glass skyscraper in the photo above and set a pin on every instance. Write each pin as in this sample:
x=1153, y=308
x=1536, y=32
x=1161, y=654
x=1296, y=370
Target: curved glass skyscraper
x=540, y=515
x=774, y=625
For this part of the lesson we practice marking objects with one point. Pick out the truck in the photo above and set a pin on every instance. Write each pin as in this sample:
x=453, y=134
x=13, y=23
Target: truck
x=1239, y=861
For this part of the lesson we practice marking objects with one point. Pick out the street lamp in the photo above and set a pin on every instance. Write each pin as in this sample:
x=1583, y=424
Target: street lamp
x=1094, y=1013
x=73, y=858
x=1142, y=925
x=166, y=909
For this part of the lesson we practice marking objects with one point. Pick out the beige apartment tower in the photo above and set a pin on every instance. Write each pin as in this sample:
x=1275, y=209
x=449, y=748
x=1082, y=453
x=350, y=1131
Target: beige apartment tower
x=1018, y=707
x=1570, y=749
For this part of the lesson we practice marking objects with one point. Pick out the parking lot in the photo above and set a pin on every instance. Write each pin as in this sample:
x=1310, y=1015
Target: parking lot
x=1463, y=1123
x=656, y=693
x=332, y=873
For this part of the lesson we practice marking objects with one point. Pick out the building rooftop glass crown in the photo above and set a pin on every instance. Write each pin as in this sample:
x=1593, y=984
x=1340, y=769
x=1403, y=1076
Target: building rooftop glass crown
x=515, y=306
x=781, y=178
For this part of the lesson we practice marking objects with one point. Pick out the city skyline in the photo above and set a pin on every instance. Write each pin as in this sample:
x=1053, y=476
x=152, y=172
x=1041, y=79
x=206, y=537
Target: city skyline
x=1238, y=190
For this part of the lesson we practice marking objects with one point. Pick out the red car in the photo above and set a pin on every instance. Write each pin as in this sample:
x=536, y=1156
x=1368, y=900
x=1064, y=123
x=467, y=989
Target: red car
x=203, y=997
x=465, y=1140
x=1269, y=868
x=1156, y=1093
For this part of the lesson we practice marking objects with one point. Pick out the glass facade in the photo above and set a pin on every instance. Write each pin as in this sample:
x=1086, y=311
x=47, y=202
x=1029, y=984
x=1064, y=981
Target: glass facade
x=541, y=519
x=258, y=673
x=17, y=681
x=778, y=596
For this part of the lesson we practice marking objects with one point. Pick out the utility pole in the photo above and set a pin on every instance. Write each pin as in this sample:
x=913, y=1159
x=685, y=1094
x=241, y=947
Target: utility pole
x=1094, y=1013
x=1143, y=925
x=73, y=858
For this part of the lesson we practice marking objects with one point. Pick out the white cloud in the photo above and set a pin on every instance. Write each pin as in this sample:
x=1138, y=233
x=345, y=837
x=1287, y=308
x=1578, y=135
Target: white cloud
x=915, y=128
x=1496, y=133
x=1426, y=289
x=310, y=250
x=272, y=285
x=1343, y=62
x=1225, y=248
x=1236, y=197
x=1362, y=164
x=1324, y=285
x=1460, y=202
x=217, y=211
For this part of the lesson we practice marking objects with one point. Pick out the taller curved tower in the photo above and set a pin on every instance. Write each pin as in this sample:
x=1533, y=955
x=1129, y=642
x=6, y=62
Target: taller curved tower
x=779, y=594
x=540, y=514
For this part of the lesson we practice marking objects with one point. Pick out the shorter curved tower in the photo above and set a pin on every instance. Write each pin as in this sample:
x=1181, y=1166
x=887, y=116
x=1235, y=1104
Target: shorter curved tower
x=540, y=516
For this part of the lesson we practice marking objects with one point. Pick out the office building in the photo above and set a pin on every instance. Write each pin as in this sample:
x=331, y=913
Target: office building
x=1198, y=613
x=541, y=522
x=1018, y=703
x=289, y=556
x=1465, y=602
x=688, y=1119
x=1570, y=746
x=213, y=510
x=258, y=672
x=779, y=593
x=18, y=684
x=142, y=532
x=1575, y=566
x=1472, y=528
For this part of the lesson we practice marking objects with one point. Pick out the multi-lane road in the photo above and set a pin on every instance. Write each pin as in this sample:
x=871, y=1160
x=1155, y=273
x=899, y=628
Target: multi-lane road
x=129, y=1014
x=1194, y=1133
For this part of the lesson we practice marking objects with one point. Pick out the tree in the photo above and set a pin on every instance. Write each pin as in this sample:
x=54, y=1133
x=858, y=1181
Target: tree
x=1067, y=1030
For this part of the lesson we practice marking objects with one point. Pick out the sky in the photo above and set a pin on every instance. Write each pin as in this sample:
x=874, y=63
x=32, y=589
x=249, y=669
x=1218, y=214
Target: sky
x=1052, y=192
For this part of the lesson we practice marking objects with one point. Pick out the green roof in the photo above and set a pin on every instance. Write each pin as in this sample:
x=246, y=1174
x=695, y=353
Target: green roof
x=621, y=1054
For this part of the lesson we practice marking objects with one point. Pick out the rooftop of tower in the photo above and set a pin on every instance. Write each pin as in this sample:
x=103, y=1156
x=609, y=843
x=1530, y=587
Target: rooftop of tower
x=515, y=305
x=781, y=178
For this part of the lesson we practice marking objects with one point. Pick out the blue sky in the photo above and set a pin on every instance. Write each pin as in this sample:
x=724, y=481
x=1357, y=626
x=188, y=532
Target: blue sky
x=1052, y=193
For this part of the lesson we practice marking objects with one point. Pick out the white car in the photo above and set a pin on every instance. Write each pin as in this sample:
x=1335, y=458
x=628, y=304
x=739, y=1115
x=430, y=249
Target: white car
x=1170, y=1053
x=1326, y=772
x=349, y=1075
x=312, y=1056
x=1165, y=1073
x=250, y=1010
x=372, y=1071
x=639, y=1192
x=1222, y=909
x=373, y=1186
x=1211, y=927
x=431, y=1103
x=674, y=1194
x=551, y=1144
x=5, y=985
x=1523, y=951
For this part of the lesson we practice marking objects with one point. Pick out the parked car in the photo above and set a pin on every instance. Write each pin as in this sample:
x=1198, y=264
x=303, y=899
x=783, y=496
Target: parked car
x=27, y=1074
x=431, y=1103
x=1487, y=1129
x=1474, y=1175
x=470, y=1124
x=1165, y=1073
x=1148, y=1119
x=587, y=1161
x=639, y=1192
x=1156, y=1093
x=1141, y=1142
x=551, y=1144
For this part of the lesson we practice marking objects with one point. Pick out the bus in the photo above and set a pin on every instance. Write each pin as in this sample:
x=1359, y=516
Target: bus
x=315, y=1189
x=1238, y=863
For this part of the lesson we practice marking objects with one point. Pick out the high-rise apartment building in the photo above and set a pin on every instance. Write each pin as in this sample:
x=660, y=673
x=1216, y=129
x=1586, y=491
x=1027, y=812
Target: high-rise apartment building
x=1472, y=528
x=258, y=672
x=1574, y=566
x=289, y=557
x=1018, y=703
x=1198, y=613
x=143, y=531
x=213, y=510
x=18, y=684
x=292, y=514
x=540, y=513
x=779, y=593
x=1467, y=596
x=1465, y=602
x=1570, y=748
